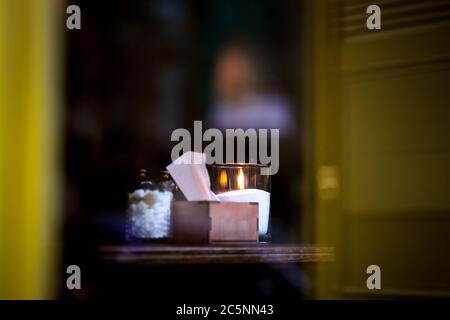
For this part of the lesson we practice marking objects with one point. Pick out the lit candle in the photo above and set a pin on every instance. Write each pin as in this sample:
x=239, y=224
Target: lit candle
x=223, y=180
x=250, y=195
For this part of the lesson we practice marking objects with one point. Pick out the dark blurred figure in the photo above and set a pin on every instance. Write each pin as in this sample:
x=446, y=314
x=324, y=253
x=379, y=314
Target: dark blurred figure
x=243, y=96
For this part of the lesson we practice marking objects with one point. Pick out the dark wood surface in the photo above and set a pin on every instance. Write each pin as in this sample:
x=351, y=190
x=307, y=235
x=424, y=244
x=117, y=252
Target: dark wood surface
x=153, y=254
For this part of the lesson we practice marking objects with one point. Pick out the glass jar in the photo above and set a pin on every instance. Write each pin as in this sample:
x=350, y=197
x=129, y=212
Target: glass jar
x=243, y=182
x=149, y=208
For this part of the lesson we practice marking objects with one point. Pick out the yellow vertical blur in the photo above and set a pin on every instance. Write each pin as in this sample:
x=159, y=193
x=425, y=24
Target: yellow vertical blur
x=28, y=149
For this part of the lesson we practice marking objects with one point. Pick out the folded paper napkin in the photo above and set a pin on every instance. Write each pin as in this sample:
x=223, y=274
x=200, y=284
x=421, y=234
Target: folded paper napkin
x=190, y=174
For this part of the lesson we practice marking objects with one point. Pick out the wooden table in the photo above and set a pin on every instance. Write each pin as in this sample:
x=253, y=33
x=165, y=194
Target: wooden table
x=153, y=254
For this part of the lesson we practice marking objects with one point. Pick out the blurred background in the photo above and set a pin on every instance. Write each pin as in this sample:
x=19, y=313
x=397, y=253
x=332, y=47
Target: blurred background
x=363, y=118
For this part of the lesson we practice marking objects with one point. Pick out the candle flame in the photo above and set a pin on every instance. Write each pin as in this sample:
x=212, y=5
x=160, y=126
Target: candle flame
x=223, y=179
x=240, y=180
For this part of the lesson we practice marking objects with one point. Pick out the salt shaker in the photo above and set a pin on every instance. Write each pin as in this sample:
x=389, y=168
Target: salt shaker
x=149, y=209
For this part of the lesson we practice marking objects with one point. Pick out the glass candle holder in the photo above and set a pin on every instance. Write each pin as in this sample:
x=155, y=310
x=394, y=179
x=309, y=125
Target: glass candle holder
x=243, y=182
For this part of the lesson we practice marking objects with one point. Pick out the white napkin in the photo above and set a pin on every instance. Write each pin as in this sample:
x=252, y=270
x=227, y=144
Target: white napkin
x=190, y=174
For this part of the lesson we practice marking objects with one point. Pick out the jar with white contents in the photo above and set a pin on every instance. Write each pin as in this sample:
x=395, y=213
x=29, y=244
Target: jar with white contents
x=149, y=209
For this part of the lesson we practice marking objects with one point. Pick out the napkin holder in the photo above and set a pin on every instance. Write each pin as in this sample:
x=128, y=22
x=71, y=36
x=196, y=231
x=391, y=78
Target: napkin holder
x=201, y=222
